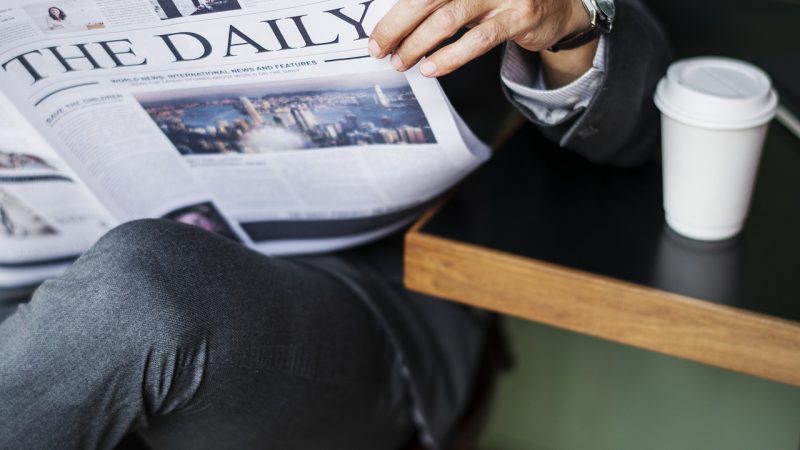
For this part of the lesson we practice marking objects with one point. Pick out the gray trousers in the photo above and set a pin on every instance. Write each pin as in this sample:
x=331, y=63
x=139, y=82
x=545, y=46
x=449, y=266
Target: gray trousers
x=197, y=342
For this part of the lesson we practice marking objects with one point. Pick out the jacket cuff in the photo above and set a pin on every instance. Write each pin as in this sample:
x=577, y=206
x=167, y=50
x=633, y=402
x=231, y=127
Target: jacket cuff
x=619, y=126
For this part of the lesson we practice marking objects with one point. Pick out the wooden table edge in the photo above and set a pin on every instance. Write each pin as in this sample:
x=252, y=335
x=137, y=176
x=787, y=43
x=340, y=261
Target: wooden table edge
x=603, y=307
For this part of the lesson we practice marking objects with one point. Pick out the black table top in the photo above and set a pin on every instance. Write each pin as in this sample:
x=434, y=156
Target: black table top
x=536, y=200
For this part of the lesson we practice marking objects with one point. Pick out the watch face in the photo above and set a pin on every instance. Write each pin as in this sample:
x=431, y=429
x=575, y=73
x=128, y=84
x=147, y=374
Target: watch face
x=607, y=8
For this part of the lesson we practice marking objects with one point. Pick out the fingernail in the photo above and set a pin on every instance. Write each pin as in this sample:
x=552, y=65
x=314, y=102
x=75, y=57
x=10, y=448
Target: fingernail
x=397, y=63
x=374, y=49
x=428, y=68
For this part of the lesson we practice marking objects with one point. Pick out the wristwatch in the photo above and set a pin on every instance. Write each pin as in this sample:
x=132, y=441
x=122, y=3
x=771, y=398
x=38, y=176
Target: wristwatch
x=601, y=13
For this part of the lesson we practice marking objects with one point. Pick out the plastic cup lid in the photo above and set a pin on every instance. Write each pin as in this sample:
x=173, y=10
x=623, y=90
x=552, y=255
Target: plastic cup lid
x=717, y=93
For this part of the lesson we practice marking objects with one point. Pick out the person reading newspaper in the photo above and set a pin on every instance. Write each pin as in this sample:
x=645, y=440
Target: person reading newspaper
x=264, y=123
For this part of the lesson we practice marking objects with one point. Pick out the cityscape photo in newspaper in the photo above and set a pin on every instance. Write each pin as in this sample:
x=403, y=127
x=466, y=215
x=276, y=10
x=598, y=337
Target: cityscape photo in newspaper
x=316, y=113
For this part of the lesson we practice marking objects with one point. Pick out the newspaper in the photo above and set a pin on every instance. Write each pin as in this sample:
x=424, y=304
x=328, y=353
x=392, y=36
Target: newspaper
x=262, y=120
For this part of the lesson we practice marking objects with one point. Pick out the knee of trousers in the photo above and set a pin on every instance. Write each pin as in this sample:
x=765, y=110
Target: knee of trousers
x=133, y=282
x=136, y=306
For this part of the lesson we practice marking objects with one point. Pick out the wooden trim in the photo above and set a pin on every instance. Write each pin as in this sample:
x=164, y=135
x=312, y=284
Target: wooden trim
x=603, y=307
x=512, y=124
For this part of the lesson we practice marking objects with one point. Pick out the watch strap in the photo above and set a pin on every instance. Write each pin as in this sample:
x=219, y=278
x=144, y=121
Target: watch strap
x=576, y=40
x=598, y=25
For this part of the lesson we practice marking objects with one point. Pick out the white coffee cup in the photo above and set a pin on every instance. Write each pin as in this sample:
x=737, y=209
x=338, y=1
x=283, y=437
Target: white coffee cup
x=714, y=118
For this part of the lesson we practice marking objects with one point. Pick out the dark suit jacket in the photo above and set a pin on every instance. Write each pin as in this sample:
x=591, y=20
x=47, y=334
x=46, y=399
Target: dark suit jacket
x=620, y=125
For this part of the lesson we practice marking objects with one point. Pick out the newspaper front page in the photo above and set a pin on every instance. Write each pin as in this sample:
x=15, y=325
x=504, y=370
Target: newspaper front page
x=262, y=120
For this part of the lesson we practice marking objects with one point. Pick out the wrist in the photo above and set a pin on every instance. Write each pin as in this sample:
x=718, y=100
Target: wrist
x=578, y=19
x=564, y=67
x=601, y=21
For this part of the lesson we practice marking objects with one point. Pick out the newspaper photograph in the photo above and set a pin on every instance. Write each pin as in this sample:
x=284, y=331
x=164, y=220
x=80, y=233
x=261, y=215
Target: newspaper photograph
x=379, y=109
x=47, y=217
x=52, y=17
x=17, y=220
x=171, y=9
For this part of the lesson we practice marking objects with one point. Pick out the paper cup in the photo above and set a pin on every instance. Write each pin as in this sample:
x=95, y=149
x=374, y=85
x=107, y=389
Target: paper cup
x=714, y=118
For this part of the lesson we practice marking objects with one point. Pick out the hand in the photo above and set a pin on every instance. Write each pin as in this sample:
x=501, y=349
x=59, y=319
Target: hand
x=412, y=28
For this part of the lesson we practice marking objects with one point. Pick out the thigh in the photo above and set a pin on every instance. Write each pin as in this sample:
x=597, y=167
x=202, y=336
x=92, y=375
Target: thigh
x=197, y=342
x=295, y=361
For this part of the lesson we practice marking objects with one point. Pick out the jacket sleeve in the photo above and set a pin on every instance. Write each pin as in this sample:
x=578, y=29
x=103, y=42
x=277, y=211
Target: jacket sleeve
x=619, y=126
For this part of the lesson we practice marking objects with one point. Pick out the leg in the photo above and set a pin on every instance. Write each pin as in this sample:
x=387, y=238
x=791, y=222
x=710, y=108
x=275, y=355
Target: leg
x=199, y=343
